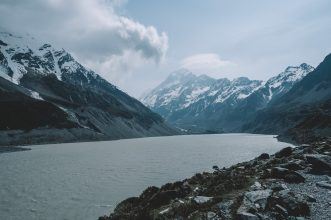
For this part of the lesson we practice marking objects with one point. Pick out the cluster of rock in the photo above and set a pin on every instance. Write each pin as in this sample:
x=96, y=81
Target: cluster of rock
x=292, y=184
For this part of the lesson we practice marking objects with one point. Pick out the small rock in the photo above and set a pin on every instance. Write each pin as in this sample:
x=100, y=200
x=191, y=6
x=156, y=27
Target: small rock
x=285, y=152
x=278, y=172
x=278, y=186
x=202, y=199
x=281, y=210
x=202, y=215
x=264, y=156
x=211, y=215
x=216, y=168
x=324, y=184
x=256, y=186
x=310, y=198
x=164, y=211
x=246, y=216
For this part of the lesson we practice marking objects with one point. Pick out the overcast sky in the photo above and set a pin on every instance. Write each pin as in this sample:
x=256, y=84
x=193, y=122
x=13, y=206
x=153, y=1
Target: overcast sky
x=135, y=44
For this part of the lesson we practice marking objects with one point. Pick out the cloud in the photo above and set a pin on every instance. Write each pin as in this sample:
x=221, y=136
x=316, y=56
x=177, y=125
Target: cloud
x=205, y=63
x=92, y=29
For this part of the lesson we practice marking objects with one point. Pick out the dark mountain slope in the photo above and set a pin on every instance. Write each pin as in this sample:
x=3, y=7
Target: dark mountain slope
x=303, y=112
x=20, y=111
x=62, y=94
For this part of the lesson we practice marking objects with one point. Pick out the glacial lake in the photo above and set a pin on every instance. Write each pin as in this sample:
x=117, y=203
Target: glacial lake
x=87, y=180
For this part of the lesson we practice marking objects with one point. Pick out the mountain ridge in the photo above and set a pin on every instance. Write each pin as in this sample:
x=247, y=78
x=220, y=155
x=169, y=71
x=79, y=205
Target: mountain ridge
x=90, y=102
x=218, y=104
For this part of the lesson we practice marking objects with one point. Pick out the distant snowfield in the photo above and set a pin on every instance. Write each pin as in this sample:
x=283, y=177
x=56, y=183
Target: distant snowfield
x=87, y=180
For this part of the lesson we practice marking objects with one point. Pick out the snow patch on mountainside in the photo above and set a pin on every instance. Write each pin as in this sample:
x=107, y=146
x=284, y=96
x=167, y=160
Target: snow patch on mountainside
x=194, y=96
x=170, y=95
x=23, y=53
x=35, y=95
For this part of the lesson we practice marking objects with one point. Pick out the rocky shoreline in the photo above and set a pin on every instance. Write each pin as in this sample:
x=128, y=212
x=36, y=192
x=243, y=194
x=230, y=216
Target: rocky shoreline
x=294, y=183
x=12, y=149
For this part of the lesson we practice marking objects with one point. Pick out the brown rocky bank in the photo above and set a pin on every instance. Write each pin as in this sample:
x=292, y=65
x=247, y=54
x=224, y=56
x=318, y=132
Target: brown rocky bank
x=291, y=184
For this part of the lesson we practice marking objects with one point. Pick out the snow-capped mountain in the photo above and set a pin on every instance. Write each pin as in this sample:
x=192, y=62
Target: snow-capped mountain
x=303, y=112
x=182, y=89
x=283, y=82
x=80, y=101
x=187, y=100
x=275, y=87
x=19, y=55
x=178, y=91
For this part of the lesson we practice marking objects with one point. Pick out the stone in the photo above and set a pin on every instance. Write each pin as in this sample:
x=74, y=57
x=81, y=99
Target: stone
x=246, y=216
x=287, y=175
x=256, y=186
x=278, y=172
x=225, y=208
x=277, y=186
x=285, y=152
x=216, y=168
x=292, y=166
x=310, y=198
x=294, y=177
x=212, y=216
x=281, y=210
x=254, y=201
x=319, y=162
x=202, y=215
x=202, y=199
x=264, y=156
x=295, y=205
x=324, y=184
x=259, y=196
x=164, y=211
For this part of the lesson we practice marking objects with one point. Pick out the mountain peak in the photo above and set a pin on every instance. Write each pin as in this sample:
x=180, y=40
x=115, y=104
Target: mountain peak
x=180, y=73
x=241, y=81
x=306, y=66
x=303, y=66
x=20, y=54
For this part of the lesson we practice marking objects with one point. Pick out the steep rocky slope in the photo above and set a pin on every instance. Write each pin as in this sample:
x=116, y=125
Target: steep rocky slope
x=60, y=91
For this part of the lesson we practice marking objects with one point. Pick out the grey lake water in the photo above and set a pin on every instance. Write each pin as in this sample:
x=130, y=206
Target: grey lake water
x=87, y=180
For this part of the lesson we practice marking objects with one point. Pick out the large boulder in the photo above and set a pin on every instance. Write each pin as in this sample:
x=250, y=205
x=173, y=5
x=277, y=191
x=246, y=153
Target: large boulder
x=285, y=152
x=253, y=202
x=319, y=162
x=264, y=156
x=287, y=175
x=292, y=165
x=257, y=198
x=295, y=205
